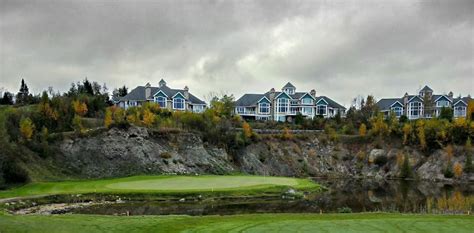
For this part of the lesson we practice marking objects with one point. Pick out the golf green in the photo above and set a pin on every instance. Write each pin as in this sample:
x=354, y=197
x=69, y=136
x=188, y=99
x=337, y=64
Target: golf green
x=202, y=183
x=163, y=184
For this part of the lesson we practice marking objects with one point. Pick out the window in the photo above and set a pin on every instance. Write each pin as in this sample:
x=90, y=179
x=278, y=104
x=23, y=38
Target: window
x=161, y=101
x=415, y=109
x=178, y=103
x=398, y=111
x=240, y=110
x=293, y=110
x=264, y=108
x=283, y=105
x=307, y=101
x=289, y=91
x=294, y=102
x=321, y=109
x=198, y=108
x=307, y=110
x=460, y=111
x=442, y=103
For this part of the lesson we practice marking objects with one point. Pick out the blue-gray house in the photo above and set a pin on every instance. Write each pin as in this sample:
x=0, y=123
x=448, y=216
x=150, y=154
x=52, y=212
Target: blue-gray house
x=173, y=99
x=284, y=105
x=424, y=105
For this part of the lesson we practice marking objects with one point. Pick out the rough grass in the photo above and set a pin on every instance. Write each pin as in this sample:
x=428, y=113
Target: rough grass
x=240, y=223
x=164, y=184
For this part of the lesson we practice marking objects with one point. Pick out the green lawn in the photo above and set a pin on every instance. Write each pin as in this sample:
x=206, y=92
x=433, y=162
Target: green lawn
x=240, y=223
x=162, y=184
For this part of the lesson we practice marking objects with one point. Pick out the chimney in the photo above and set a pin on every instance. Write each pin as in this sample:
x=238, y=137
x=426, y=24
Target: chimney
x=186, y=92
x=272, y=94
x=313, y=93
x=148, y=91
x=450, y=95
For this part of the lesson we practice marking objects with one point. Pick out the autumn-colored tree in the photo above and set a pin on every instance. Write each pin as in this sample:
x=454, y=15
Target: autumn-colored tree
x=457, y=168
x=362, y=130
x=108, y=118
x=26, y=128
x=400, y=159
x=148, y=118
x=449, y=149
x=420, y=130
x=379, y=127
x=79, y=107
x=287, y=135
x=247, y=130
x=468, y=166
x=470, y=109
x=407, y=129
x=361, y=155
x=77, y=124
x=45, y=109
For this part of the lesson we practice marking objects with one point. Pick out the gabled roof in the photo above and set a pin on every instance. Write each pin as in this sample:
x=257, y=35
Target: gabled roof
x=410, y=98
x=283, y=93
x=426, y=89
x=289, y=85
x=138, y=94
x=386, y=104
x=331, y=103
x=462, y=101
x=249, y=99
x=300, y=95
x=437, y=97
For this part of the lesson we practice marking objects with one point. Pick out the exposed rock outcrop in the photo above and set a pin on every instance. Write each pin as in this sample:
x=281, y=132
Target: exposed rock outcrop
x=140, y=151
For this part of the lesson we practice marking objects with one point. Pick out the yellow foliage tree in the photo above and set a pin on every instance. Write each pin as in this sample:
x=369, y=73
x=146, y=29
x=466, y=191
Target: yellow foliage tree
x=362, y=129
x=287, y=135
x=406, y=132
x=449, y=152
x=148, y=118
x=79, y=107
x=379, y=127
x=46, y=110
x=420, y=128
x=26, y=128
x=470, y=109
x=108, y=118
x=457, y=168
x=77, y=124
x=247, y=130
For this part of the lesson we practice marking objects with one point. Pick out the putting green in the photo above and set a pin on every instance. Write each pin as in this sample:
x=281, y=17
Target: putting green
x=203, y=183
x=165, y=184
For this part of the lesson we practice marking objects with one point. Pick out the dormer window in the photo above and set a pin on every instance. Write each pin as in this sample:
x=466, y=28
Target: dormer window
x=289, y=91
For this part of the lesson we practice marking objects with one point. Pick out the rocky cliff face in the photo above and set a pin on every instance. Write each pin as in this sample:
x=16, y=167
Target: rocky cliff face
x=136, y=151
x=139, y=151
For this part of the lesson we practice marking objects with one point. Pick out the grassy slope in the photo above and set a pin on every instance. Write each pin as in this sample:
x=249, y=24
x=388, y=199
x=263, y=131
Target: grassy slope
x=240, y=223
x=163, y=184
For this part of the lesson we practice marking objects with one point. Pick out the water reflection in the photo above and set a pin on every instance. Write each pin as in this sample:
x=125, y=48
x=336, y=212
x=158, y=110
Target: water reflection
x=343, y=195
x=397, y=196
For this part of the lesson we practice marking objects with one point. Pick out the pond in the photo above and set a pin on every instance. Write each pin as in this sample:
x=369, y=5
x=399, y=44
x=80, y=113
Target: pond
x=342, y=196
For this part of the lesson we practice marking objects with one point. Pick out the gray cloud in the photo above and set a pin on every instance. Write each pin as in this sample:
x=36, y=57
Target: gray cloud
x=339, y=48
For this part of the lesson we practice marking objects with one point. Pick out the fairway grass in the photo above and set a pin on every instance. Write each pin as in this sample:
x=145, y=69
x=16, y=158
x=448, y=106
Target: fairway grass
x=164, y=184
x=240, y=223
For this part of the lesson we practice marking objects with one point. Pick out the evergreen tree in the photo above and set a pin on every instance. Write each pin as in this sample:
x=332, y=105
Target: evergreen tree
x=7, y=98
x=23, y=93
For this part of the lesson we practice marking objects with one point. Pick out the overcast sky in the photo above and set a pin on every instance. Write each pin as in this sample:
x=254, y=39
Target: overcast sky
x=340, y=48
